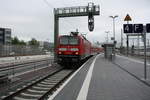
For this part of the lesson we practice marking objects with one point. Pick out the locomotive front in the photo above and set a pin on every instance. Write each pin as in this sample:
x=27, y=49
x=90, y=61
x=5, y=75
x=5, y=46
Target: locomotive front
x=68, y=49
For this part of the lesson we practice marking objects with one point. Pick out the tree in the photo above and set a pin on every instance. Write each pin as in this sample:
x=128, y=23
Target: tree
x=33, y=41
x=15, y=41
x=22, y=42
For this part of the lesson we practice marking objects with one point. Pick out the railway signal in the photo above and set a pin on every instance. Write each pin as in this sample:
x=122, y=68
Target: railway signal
x=91, y=16
x=91, y=22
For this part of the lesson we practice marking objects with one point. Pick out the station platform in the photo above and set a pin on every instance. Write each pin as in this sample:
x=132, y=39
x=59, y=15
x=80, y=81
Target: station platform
x=101, y=79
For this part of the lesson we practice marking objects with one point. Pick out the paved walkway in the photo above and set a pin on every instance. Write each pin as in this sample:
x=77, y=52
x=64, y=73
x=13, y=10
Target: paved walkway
x=100, y=79
x=133, y=66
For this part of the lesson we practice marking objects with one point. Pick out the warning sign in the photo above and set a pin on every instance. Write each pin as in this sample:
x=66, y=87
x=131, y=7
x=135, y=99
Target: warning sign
x=127, y=18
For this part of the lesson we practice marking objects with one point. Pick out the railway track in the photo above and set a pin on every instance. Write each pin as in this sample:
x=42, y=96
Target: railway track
x=24, y=67
x=41, y=88
x=7, y=65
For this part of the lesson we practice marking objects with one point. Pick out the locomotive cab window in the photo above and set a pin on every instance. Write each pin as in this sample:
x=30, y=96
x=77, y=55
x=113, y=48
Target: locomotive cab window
x=69, y=40
x=64, y=40
x=73, y=40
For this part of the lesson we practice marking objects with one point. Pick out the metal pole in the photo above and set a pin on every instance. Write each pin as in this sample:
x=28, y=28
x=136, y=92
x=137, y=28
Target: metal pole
x=114, y=35
x=148, y=43
x=138, y=46
x=127, y=45
x=114, y=28
x=121, y=38
x=107, y=36
x=127, y=42
x=121, y=47
x=113, y=17
x=145, y=65
x=56, y=32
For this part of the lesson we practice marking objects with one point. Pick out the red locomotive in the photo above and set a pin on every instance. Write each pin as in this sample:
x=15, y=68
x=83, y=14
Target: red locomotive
x=74, y=48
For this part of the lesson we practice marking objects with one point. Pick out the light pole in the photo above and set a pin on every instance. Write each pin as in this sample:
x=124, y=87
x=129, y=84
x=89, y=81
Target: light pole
x=107, y=36
x=113, y=17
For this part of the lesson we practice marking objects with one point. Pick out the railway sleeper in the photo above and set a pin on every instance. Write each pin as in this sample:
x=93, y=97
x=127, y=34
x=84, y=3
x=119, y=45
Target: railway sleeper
x=22, y=97
x=56, y=78
x=36, y=91
x=33, y=89
x=43, y=85
x=53, y=80
x=47, y=83
x=53, y=83
x=31, y=94
x=50, y=81
x=41, y=88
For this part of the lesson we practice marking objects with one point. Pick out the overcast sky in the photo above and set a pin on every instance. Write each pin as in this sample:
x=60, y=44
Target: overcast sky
x=34, y=18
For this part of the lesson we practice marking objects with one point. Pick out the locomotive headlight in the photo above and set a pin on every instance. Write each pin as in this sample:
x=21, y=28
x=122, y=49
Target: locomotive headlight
x=62, y=49
x=59, y=53
x=74, y=49
x=77, y=53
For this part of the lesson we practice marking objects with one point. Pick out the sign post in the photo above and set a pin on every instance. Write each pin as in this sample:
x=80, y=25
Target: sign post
x=128, y=18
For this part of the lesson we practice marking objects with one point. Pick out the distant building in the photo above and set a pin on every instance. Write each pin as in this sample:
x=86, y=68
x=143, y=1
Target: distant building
x=5, y=36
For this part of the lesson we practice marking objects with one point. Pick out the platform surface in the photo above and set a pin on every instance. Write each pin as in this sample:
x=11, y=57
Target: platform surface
x=100, y=79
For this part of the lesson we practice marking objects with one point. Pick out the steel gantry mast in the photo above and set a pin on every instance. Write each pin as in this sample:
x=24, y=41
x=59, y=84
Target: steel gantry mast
x=76, y=11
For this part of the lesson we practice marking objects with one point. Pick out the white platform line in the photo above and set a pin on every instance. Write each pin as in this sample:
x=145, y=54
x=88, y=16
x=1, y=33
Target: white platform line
x=85, y=87
x=66, y=82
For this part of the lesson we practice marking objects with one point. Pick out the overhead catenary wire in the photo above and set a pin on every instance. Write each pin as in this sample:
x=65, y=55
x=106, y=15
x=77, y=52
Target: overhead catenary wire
x=48, y=4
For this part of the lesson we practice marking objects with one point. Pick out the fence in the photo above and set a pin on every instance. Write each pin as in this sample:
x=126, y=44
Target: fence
x=20, y=50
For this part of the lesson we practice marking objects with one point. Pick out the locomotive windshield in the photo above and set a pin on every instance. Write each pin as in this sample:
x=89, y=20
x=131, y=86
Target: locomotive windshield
x=69, y=40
